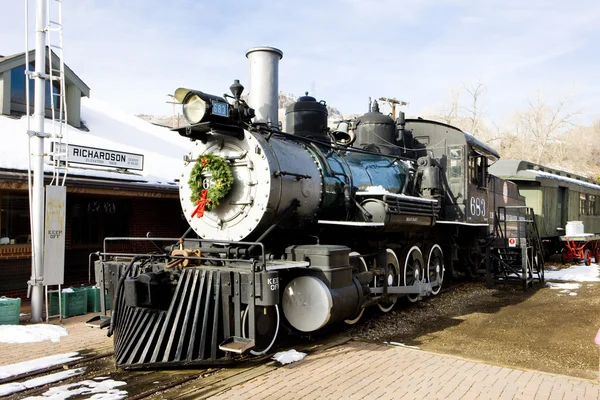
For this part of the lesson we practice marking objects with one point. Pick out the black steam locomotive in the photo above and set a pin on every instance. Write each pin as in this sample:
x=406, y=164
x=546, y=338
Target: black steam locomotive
x=302, y=227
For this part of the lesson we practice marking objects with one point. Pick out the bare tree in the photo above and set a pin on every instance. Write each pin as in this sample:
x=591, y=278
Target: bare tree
x=474, y=109
x=449, y=113
x=543, y=123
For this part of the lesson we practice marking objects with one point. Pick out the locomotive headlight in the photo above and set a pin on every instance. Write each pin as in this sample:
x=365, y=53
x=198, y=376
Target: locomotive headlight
x=194, y=108
x=201, y=107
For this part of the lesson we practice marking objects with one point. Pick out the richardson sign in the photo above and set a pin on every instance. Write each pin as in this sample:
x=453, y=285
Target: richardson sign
x=102, y=157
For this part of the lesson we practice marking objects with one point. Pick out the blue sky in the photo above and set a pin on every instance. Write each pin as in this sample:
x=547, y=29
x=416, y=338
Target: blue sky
x=132, y=52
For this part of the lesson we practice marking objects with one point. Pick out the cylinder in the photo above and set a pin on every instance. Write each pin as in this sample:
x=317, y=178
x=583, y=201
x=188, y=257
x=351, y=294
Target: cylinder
x=263, y=95
x=308, y=304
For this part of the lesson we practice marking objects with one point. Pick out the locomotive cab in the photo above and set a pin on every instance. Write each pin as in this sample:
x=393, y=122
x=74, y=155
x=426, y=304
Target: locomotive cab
x=463, y=161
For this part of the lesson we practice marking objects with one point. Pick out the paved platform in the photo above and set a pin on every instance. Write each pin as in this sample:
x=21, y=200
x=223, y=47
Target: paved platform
x=354, y=370
x=81, y=337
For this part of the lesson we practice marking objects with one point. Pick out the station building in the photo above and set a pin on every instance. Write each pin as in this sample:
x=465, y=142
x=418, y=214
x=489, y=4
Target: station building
x=121, y=177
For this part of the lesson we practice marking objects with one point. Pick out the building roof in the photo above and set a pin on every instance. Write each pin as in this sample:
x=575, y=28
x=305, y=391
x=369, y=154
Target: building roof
x=111, y=129
x=16, y=60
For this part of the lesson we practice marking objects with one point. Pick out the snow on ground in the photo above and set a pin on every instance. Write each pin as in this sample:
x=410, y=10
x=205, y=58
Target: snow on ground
x=31, y=333
x=563, y=287
x=13, y=387
x=569, y=277
x=92, y=389
x=287, y=357
x=37, y=364
x=575, y=273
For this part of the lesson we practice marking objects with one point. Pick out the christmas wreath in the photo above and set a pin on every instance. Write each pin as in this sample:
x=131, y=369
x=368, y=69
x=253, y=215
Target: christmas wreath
x=221, y=177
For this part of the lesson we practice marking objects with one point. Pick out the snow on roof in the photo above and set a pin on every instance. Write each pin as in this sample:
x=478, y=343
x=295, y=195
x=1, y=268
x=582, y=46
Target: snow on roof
x=548, y=175
x=110, y=129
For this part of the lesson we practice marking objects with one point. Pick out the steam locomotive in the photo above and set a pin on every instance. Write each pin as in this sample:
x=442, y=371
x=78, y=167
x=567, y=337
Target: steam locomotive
x=301, y=228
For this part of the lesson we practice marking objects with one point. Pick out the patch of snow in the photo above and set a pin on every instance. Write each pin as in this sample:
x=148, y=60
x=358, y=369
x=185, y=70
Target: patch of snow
x=13, y=387
x=37, y=364
x=68, y=290
x=549, y=175
x=287, y=357
x=575, y=273
x=105, y=390
x=31, y=333
x=564, y=287
x=401, y=345
x=572, y=294
x=376, y=189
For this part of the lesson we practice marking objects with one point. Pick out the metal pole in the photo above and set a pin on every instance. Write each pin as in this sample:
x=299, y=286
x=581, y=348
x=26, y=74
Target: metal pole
x=37, y=155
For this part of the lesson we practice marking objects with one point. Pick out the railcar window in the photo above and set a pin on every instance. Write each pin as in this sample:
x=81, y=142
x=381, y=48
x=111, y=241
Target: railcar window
x=583, y=204
x=592, y=204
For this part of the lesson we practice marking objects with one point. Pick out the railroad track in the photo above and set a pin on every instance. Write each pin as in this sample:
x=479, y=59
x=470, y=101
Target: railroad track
x=94, y=371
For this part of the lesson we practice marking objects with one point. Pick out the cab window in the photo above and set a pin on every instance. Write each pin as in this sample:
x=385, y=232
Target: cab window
x=477, y=171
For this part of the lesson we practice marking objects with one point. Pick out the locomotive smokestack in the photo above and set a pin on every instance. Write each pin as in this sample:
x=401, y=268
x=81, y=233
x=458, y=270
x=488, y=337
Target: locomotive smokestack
x=263, y=95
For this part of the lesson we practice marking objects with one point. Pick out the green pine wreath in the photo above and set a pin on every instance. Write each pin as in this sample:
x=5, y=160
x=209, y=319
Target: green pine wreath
x=221, y=176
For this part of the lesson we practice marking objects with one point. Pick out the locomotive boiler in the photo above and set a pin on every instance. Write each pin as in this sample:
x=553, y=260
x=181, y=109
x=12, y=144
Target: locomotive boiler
x=296, y=228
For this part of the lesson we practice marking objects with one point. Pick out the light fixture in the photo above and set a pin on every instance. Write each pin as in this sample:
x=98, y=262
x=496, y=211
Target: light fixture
x=201, y=107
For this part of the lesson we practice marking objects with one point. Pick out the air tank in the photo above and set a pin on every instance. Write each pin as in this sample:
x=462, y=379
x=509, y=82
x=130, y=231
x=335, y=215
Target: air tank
x=307, y=117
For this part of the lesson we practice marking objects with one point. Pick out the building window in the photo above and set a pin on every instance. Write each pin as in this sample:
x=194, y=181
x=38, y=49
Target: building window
x=583, y=207
x=93, y=219
x=592, y=204
x=17, y=91
x=14, y=219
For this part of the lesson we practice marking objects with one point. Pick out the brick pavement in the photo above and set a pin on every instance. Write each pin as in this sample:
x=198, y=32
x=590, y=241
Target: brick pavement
x=354, y=370
x=358, y=370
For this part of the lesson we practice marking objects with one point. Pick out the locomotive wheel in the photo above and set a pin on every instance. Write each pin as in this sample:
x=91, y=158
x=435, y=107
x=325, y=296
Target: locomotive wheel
x=393, y=279
x=435, y=267
x=413, y=270
x=587, y=257
x=267, y=327
x=358, y=265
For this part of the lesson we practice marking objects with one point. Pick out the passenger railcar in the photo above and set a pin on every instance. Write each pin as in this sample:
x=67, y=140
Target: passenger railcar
x=555, y=196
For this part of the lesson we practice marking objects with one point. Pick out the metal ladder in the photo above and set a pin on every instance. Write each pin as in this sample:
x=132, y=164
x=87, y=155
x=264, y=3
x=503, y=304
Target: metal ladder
x=59, y=135
x=516, y=253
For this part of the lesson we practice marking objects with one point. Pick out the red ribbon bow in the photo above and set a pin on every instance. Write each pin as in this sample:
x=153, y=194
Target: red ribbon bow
x=201, y=203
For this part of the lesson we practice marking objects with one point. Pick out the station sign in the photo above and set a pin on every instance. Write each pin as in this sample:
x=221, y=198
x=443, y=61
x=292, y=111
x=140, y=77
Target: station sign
x=101, y=157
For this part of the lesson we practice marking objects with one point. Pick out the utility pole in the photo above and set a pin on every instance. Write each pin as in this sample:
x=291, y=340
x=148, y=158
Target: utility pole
x=37, y=157
x=392, y=101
